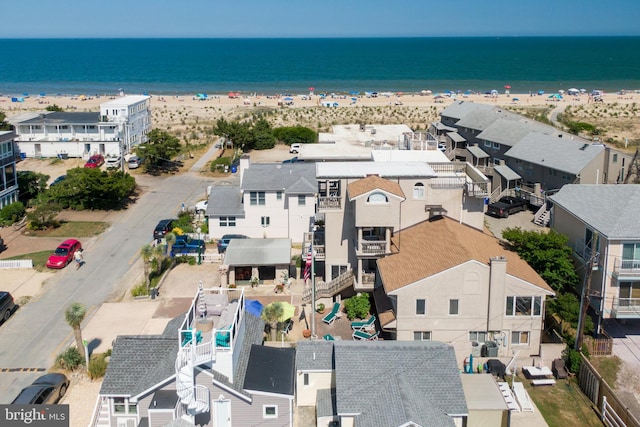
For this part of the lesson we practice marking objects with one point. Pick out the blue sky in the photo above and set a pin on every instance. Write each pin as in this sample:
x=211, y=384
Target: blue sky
x=317, y=18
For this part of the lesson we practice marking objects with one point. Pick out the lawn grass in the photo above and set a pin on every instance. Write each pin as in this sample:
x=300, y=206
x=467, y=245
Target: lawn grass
x=563, y=404
x=73, y=229
x=608, y=368
x=39, y=259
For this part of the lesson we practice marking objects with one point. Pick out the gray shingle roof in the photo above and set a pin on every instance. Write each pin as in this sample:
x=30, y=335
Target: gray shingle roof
x=508, y=131
x=271, y=370
x=326, y=402
x=482, y=119
x=139, y=362
x=314, y=356
x=421, y=385
x=610, y=209
x=279, y=177
x=225, y=201
x=72, y=118
x=456, y=137
x=460, y=109
x=477, y=152
x=561, y=154
x=507, y=172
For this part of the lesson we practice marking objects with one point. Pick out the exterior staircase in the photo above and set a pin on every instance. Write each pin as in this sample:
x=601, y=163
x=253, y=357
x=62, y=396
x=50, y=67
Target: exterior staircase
x=543, y=215
x=329, y=289
x=101, y=413
x=195, y=397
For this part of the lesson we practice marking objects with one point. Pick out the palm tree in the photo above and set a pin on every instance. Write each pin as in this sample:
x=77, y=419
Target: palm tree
x=170, y=238
x=158, y=255
x=272, y=314
x=147, y=253
x=74, y=316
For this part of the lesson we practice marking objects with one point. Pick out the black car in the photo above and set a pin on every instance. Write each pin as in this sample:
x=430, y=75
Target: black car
x=47, y=389
x=7, y=306
x=163, y=227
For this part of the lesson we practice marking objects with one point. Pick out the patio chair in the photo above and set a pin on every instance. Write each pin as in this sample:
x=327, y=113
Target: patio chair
x=364, y=336
x=365, y=325
x=329, y=337
x=287, y=326
x=223, y=336
x=333, y=315
x=188, y=336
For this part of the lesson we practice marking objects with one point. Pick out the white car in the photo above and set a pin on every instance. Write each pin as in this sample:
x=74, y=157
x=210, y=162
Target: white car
x=201, y=206
x=113, y=161
x=295, y=148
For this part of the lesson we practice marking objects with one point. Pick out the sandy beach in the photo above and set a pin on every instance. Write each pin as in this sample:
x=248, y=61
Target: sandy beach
x=189, y=116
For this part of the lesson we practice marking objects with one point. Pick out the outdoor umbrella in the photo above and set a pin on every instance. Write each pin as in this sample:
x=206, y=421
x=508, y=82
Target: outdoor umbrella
x=312, y=88
x=253, y=306
x=287, y=311
x=288, y=98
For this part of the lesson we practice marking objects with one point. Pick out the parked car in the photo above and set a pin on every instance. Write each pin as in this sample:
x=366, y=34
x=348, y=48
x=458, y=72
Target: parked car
x=7, y=306
x=46, y=390
x=224, y=241
x=292, y=160
x=113, y=161
x=201, y=206
x=134, y=162
x=94, y=161
x=63, y=254
x=163, y=227
x=507, y=206
x=58, y=180
x=187, y=245
x=295, y=148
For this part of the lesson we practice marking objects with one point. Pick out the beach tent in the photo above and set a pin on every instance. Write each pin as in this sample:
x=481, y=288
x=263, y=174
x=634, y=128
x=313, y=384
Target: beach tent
x=540, y=92
x=573, y=91
x=201, y=96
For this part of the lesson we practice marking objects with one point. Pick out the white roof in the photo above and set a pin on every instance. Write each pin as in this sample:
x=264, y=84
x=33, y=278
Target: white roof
x=482, y=393
x=435, y=156
x=382, y=169
x=125, y=100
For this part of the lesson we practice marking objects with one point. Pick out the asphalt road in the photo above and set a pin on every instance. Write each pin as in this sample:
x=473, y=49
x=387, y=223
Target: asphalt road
x=37, y=332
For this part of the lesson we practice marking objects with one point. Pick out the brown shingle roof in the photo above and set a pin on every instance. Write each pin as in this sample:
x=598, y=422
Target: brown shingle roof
x=430, y=247
x=371, y=183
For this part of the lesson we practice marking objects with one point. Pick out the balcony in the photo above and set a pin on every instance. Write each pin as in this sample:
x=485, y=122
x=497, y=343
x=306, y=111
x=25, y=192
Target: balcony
x=626, y=268
x=626, y=308
x=372, y=247
x=318, y=245
x=329, y=202
x=366, y=283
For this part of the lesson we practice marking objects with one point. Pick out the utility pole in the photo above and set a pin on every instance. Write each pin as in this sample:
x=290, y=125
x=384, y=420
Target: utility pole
x=584, y=301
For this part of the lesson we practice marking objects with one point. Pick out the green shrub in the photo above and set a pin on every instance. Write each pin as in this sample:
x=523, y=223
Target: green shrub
x=12, y=213
x=357, y=307
x=139, y=290
x=572, y=359
x=220, y=162
x=69, y=359
x=97, y=366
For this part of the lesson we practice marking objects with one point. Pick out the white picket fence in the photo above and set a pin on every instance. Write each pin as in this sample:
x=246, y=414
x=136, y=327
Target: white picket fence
x=15, y=263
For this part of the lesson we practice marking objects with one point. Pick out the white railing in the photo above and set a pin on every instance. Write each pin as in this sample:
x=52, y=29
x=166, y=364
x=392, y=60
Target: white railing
x=373, y=247
x=329, y=289
x=16, y=263
x=330, y=202
x=627, y=306
x=623, y=267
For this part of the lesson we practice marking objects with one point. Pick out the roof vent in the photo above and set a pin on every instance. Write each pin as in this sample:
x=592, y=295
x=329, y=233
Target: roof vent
x=584, y=147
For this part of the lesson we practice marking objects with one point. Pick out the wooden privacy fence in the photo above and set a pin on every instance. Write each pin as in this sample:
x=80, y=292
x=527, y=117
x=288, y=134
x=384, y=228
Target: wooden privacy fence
x=16, y=263
x=599, y=346
x=613, y=411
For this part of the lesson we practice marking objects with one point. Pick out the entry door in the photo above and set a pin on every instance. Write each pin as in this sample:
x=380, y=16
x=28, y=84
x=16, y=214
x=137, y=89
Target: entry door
x=38, y=150
x=223, y=413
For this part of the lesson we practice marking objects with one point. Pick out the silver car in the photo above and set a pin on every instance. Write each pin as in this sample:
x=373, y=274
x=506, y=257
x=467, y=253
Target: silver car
x=134, y=162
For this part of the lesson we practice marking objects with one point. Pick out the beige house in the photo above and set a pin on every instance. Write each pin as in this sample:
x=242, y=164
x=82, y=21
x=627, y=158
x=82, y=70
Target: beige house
x=449, y=282
x=362, y=205
x=601, y=222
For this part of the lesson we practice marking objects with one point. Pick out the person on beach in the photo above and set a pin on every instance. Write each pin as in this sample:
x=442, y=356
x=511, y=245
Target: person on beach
x=79, y=258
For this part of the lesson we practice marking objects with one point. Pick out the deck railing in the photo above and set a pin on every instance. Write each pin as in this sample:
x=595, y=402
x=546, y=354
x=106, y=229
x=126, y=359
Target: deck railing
x=623, y=267
x=330, y=202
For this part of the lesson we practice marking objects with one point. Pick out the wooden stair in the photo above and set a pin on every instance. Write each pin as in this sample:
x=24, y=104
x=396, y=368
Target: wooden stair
x=329, y=289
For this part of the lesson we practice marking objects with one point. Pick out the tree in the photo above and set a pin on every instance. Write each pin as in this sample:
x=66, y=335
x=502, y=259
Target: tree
x=548, y=254
x=44, y=212
x=272, y=314
x=74, y=316
x=54, y=107
x=147, y=253
x=4, y=125
x=295, y=135
x=170, y=238
x=159, y=149
x=30, y=184
x=11, y=213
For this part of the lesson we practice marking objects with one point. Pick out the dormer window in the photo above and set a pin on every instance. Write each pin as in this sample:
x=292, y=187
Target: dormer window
x=377, y=198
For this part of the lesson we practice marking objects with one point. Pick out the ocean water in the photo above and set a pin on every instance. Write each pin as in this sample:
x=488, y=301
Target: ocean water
x=270, y=66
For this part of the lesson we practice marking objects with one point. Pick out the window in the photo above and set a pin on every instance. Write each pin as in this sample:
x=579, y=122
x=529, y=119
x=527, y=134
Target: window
x=227, y=221
x=479, y=336
x=453, y=307
x=523, y=306
x=519, y=337
x=418, y=191
x=421, y=307
x=279, y=195
x=305, y=379
x=302, y=200
x=422, y=335
x=615, y=158
x=496, y=146
x=121, y=405
x=487, y=144
x=265, y=220
x=256, y=198
x=377, y=198
x=631, y=255
x=269, y=411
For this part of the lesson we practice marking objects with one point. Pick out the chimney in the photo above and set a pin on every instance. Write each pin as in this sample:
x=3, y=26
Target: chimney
x=497, y=284
x=245, y=161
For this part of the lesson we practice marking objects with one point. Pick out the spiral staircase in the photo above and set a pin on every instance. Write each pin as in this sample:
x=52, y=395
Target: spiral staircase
x=195, y=397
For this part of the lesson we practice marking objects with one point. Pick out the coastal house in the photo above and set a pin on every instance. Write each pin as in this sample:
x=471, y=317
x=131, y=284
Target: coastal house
x=9, y=181
x=121, y=124
x=601, y=223
x=467, y=291
x=379, y=383
x=208, y=368
x=362, y=205
x=274, y=200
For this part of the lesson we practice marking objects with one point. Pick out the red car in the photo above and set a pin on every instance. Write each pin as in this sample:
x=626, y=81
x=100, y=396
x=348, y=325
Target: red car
x=94, y=161
x=63, y=254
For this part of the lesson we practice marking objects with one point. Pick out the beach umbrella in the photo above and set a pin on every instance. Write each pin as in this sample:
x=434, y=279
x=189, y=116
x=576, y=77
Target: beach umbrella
x=493, y=92
x=400, y=94
x=507, y=86
x=354, y=92
x=312, y=88
x=288, y=311
x=354, y=99
x=253, y=306
x=540, y=92
x=288, y=98
x=516, y=99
